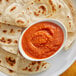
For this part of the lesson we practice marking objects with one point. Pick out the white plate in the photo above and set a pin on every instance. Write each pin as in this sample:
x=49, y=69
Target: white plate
x=61, y=62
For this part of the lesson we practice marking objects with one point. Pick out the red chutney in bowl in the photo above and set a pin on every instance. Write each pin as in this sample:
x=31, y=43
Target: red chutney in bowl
x=42, y=40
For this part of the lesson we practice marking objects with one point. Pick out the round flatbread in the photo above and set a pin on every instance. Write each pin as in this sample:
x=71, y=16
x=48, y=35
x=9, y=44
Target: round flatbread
x=23, y=12
x=9, y=36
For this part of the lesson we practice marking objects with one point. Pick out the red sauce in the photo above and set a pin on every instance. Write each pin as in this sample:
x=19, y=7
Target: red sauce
x=42, y=40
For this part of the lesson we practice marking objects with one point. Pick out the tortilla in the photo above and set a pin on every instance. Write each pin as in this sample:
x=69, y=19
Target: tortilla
x=23, y=12
x=20, y=64
x=32, y=66
x=71, y=35
x=71, y=38
x=54, y=9
x=10, y=72
x=9, y=36
x=7, y=71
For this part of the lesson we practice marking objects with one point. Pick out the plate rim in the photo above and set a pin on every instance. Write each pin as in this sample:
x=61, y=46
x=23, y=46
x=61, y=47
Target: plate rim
x=65, y=68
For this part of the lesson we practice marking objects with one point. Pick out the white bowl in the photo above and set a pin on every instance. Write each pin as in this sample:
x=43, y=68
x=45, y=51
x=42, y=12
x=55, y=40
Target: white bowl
x=48, y=20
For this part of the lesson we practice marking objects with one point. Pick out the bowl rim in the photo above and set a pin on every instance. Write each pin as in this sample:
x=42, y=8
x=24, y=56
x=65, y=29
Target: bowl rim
x=59, y=23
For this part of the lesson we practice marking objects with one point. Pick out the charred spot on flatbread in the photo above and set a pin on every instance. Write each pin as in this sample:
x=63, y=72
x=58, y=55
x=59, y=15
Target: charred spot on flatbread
x=39, y=0
x=15, y=41
x=11, y=61
x=20, y=21
x=52, y=5
x=32, y=3
x=39, y=62
x=2, y=40
x=13, y=8
x=70, y=24
x=68, y=17
x=41, y=10
x=37, y=68
x=30, y=70
x=11, y=71
x=44, y=64
x=11, y=30
x=9, y=41
x=0, y=13
x=36, y=14
x=0, y=0
x=33, y=63
x=7, y=0
x=4, y=31
x=45, y=67
x=25, y=68
x=0, y=61
x=59, y=6
x=19, y=30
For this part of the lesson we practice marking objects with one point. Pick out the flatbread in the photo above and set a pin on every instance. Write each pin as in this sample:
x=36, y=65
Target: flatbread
x=10, y=72
x=71, y=38
x=20, y=64
x=24, y=12
x=7, y=71
x=9, y=36
x=13, y=13
x=71, y=35
x=32, y=66
x=51, y=9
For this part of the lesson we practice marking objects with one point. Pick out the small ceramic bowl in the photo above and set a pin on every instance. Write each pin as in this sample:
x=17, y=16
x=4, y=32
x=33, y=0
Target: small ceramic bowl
x=48, y=20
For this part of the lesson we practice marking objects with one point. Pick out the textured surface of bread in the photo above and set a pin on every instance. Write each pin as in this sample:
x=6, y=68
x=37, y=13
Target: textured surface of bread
x=18, y=64
x=24, y=12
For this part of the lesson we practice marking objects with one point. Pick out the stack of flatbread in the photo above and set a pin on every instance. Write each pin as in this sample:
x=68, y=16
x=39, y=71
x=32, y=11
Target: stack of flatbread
x=15, y=16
